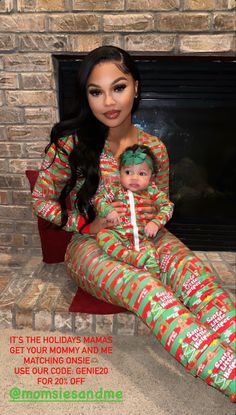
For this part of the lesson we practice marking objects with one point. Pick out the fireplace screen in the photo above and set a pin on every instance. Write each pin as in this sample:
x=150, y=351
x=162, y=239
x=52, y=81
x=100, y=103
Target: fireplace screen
x=190, y=103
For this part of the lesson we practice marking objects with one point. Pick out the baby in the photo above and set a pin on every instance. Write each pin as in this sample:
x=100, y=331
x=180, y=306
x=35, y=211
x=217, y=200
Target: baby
x=130, y=239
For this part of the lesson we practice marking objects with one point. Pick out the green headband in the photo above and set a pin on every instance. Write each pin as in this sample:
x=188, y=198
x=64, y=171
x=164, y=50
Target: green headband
x=138, y=156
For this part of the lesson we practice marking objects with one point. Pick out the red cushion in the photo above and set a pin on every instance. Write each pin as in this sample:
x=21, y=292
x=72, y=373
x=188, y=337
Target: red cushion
x=85, y=303
x=54, y=240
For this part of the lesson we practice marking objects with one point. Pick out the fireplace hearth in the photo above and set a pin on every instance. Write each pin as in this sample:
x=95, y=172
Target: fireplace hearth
x=190, y=103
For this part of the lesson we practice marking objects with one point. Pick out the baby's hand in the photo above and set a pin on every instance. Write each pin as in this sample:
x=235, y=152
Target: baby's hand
x=113, y=217
x=151, y=229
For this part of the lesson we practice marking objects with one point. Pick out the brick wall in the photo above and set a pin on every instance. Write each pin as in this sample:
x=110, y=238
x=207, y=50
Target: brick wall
x=31, y=30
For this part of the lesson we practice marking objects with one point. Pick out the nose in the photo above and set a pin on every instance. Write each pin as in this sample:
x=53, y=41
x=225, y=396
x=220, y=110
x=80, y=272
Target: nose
x=108, y=99
x=134, y=176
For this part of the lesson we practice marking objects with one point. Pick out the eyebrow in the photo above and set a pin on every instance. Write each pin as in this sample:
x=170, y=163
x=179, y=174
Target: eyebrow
x=121, y=78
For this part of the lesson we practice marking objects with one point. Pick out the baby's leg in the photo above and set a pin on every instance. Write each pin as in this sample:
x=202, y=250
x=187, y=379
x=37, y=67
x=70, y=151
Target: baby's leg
x=152, y=260
x=116, y=245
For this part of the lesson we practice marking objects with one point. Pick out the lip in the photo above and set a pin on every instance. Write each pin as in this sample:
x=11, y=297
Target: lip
x=112, y=115
x=134, y=185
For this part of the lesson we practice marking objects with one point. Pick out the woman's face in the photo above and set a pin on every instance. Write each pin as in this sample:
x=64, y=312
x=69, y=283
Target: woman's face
x=110, y=94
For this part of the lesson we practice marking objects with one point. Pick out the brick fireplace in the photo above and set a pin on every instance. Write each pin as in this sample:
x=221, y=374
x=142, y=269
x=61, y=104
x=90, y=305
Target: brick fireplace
x=31, y=31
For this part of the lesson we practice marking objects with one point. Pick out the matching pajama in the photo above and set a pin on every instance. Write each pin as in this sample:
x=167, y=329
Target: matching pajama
x=185, y=306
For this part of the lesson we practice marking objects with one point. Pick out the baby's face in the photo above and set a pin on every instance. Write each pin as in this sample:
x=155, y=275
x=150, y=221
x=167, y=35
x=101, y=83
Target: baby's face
x=136, y=177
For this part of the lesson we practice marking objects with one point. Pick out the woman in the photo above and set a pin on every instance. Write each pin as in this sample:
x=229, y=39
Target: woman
x=185, y=307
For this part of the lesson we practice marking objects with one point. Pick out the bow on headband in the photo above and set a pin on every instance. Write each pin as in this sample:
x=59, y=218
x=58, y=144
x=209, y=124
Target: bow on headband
x=136, y=157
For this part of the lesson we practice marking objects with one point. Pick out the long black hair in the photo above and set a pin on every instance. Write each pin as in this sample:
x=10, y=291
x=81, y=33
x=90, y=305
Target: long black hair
x=91, y=133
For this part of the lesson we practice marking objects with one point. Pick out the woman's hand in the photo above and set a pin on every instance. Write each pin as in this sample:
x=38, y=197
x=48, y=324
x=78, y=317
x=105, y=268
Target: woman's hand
x=145, y=206
x=113, y=217
x=97, y=225
x=100, y=223
x=148, y=210
x=120, y=207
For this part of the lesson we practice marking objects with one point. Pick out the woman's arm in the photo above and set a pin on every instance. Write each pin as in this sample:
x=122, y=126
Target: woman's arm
x=162, y=177
x=103, y=199
x=147, y=209
x=164, y=208
x=54, y=174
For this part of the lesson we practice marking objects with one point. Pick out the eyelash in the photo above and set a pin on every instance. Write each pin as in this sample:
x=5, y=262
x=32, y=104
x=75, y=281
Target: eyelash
x=142, y=173
x=120, y=88
x=94, y=92
x=117, y=88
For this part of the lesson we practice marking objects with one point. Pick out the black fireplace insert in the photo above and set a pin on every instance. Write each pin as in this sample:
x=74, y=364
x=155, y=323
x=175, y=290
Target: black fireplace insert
x=190, y=103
